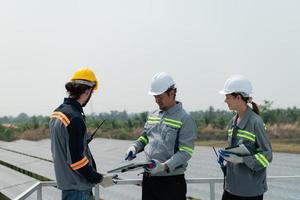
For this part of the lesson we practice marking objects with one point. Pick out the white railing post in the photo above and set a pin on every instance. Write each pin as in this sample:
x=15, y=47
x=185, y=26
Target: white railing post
x=97, y=192
x=211, y=181
x=28, y=192
x=39, y=192
x=212, y=191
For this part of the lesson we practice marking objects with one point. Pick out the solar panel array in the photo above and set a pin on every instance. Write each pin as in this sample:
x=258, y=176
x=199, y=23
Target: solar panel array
x=109, y=154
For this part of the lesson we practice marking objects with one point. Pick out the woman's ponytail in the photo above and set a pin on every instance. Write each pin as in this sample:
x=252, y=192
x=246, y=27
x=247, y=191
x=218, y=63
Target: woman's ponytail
x=248, y=100
x=255, y=108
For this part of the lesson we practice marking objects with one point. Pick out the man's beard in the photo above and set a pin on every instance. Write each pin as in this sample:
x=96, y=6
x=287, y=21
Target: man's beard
x=163, y=108
x=84, y=104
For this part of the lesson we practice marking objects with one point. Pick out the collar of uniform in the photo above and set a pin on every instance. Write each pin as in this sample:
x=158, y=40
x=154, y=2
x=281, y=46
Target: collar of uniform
x=244, y=120
x=74, y=103
x=174, y=108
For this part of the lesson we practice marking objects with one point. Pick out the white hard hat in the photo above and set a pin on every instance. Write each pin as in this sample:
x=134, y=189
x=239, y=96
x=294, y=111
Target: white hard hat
x=237, y=84
x=160, y=83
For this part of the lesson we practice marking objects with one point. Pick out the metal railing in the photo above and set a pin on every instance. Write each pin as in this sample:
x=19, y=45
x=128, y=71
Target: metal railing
x=37, y=187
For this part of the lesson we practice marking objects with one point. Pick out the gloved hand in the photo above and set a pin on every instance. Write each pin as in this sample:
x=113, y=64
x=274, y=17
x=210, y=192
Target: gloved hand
x=155, y=167
x=107, y=181
x=131, y=153
x=231, y=157
x=220, y=160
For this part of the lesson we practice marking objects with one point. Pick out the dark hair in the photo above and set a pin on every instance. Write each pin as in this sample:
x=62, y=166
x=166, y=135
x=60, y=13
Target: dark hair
x=75, y=90
x=171, y=88
x=246, y=99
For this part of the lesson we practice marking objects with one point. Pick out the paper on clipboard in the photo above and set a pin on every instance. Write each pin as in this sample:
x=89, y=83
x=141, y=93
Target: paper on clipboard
x=128, y=167
x=240, y=150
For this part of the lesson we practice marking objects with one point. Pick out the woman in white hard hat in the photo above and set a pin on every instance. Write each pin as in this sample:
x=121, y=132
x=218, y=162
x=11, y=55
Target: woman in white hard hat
x=249, y=151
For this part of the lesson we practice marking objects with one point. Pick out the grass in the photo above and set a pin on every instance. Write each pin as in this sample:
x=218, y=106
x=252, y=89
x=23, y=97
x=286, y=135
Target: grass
x=286, y=145
x=211, y=143
x=3, y=197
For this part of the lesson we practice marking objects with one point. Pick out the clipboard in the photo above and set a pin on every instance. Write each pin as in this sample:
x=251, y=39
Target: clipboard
x=239, y=150
x=128, y=167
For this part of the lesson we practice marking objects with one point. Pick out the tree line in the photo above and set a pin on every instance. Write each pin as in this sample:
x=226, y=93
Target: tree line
x=211, y=123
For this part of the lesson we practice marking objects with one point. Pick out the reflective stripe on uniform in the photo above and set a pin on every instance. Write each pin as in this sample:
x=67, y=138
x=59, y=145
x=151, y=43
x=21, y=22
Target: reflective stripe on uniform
x=143, y=139
x=247, y=135
x=189, y=150
x=153, y=120
x=262, y=159
x=229, y=132
x=62, y=117
x=172, y=122
x=81, y=163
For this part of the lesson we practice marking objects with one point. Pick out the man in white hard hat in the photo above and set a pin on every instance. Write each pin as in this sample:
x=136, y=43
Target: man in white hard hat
x=168, y=142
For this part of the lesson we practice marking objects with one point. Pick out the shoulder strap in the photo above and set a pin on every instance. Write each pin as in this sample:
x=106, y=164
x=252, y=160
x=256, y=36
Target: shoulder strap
x=176, y=148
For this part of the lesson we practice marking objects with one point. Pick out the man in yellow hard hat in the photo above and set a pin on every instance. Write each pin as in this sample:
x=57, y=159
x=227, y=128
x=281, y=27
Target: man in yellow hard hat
x=75, y=168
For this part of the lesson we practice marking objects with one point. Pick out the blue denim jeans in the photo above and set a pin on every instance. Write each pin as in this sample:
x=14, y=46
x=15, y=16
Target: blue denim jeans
x=77, y=195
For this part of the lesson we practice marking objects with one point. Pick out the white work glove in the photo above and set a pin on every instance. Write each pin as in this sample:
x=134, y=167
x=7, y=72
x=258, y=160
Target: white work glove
x=231, y=157
x=107, y=181
x=131, y=153
x=155, y=167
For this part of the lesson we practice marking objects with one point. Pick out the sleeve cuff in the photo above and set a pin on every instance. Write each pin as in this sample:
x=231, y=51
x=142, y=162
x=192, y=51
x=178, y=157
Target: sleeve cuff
x=170, y=166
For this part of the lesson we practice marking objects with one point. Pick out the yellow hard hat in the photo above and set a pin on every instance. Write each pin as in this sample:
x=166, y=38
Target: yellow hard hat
x=85, y=76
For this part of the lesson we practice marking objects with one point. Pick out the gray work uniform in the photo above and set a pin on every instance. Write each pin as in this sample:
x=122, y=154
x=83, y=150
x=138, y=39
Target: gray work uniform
x=74, y=166
x=169, y=137
x=248, y=178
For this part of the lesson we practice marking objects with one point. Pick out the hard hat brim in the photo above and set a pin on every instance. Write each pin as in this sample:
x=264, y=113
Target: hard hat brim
x=155, y=93
x=224, y=92
x=242, y=93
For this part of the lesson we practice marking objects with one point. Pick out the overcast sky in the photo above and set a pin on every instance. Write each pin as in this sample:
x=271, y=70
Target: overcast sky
x=199, y=42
